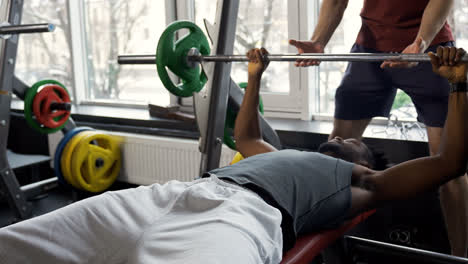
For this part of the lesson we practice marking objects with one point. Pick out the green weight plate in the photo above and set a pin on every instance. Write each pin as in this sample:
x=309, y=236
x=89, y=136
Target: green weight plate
x=28, y=105
x=229, y=129
x=173, y=56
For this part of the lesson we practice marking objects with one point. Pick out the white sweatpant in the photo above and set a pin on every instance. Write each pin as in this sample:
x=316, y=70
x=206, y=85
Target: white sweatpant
x=205, y=221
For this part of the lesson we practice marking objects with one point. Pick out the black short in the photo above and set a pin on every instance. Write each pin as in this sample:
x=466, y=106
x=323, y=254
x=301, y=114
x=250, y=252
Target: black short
x=367, y=91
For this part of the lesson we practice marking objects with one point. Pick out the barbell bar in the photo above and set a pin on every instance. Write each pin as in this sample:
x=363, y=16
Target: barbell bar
x=60, y=106
x=354, y=57
x=27, y=28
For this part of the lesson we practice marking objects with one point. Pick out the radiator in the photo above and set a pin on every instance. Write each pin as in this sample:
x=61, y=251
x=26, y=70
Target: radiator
x=155, y=159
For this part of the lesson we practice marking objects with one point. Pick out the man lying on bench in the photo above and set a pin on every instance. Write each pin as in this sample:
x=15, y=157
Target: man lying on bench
x=248, y=212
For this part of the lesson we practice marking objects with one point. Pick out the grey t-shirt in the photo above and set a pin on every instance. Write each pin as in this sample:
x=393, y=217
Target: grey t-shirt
x=311, y=190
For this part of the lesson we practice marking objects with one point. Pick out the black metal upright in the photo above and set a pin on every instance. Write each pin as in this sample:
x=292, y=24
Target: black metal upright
x=221, y=78
x=11, y=13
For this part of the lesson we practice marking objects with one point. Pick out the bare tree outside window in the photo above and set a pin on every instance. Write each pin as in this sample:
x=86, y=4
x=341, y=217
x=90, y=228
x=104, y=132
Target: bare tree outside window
x=113, y=27
x=260, y=23
x=110, y=27
x=117, y=27
x=46, y=55
x=458, y=20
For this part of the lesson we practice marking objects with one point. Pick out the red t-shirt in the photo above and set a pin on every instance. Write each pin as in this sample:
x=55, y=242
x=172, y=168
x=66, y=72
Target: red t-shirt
x=392, y=25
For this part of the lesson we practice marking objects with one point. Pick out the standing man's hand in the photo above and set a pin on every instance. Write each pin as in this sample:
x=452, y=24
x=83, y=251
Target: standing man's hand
x=307, y=47
x=418, y=46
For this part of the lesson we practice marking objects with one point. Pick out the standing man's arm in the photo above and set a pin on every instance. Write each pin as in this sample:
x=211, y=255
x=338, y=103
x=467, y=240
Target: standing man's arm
x=434, y=17
x=331, y=13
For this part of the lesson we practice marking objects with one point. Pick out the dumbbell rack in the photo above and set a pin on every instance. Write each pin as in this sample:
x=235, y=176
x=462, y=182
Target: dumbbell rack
x=10, y=17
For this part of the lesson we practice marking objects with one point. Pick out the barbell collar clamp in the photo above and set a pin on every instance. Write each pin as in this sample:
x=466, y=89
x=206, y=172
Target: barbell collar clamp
x=192, y=53
x=27, y=28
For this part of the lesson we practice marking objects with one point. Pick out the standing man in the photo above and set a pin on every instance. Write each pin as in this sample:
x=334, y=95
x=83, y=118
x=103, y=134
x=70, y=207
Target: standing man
x=368, y=89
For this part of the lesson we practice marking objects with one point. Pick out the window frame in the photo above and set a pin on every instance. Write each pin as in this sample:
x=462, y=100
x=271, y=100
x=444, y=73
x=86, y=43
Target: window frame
x=299, y=100
x=299, y=103
x=81, y=81
x=302, y=101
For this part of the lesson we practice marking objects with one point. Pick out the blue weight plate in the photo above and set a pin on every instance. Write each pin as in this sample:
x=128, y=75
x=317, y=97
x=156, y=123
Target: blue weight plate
x=58, y=151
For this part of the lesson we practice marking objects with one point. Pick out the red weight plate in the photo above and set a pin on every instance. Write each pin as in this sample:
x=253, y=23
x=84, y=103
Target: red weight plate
x=42, y=106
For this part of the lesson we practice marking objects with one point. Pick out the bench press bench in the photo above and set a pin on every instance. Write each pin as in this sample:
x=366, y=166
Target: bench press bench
x=309, y=246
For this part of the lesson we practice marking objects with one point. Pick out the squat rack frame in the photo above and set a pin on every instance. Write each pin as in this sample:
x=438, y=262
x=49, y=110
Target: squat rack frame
x=11, y=11
x=210, y=103
x=10, y=28
x=221, y=91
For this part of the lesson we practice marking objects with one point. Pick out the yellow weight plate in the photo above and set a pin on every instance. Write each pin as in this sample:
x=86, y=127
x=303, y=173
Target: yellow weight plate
x=238, y=157
x=96, y=162
x=66, y=159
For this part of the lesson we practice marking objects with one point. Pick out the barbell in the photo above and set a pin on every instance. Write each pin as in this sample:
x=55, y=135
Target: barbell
x=183, y=58
x=353, y=57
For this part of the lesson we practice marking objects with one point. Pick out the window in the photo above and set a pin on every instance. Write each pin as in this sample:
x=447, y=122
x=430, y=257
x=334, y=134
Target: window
x=263, y=23
x=46, y=55
x=459, y=22
x=82, y=52
x=269, y=30
x=118, y=27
